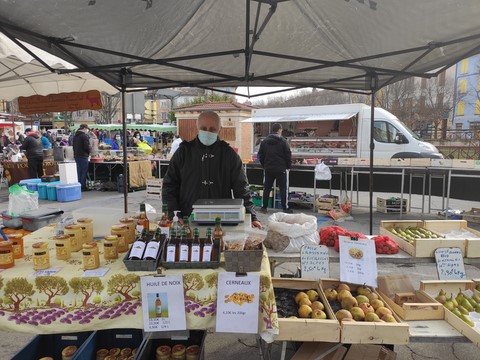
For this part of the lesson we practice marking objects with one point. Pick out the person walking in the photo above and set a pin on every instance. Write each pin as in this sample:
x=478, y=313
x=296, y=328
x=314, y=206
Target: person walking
x=175, y=144
x=81, y=152
x=34, y=151
x=276, y=159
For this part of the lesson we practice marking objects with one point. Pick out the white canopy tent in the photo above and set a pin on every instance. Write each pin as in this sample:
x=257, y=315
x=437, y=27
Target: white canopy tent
x=353, y=45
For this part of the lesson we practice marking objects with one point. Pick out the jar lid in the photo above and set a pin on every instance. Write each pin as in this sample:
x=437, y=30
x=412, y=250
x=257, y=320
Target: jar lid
x=119, y=226
x=85, y=220
x=15, y=236
x=163, y=350
x=127, y=220
x=62, y=237
x=178, y=349
x=90, y=245
x=5, y=243
x=111, y=237
x=72, y=226
x=193, y=350
x=39, y=245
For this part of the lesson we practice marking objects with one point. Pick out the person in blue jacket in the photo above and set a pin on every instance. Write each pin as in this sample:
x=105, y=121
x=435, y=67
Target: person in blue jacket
x=46, y=142
x=117, y=143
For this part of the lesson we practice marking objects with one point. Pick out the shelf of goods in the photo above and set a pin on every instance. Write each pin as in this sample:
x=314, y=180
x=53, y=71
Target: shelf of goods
x=301, y=146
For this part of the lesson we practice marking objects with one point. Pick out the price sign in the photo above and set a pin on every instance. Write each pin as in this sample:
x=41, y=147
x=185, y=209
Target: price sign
x=450, y=264
x=358, y=261
x=237, y=303
x=163, y=303
x=314, y=262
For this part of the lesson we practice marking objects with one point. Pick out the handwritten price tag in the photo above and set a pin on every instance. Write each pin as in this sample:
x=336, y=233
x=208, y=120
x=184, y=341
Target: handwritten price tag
x=450, y=264
x=314, y=262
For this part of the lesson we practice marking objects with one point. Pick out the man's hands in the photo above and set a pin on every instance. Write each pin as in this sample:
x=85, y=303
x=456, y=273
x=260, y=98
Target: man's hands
x=257, y=224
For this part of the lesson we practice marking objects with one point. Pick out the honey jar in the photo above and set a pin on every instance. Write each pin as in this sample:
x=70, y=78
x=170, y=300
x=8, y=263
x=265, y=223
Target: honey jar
x=63, y=248
x=193, y=352
x=6, y=255
x=87, y=229
x=130, y=223
x=121, y=231
x=163, y=352
x=75, y=232
x=110, y=247
x=17, y=243
x=41, y=256
x=91, y=257
x=178, y=352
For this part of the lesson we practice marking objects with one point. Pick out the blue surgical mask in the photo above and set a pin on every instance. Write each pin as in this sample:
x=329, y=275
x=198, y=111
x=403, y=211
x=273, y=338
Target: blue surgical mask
x=207, y=138
x=118, y=138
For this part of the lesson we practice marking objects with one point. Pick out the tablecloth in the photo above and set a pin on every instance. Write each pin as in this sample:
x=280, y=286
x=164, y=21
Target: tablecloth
x=68, y=302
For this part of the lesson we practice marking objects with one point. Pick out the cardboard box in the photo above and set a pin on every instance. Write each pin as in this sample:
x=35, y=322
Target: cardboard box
x=419, y=247
x=312, y=351
x=445, y=227
x=370, y=352
x=360, y=332
x=420, y=308
x=327, y=330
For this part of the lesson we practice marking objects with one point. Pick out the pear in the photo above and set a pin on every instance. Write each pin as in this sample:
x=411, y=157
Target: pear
x=343, y=286
x=318, y=314
x=389, y=318
x=304, y=301
x=343, y=314
x=372, y=296
x=367, y=308
x=471, y=301
x=456, y=312
x=462, y=310
x=476, y=298
x=477, y=287
x=349, y=302
x=343, y=294
x=300, y=295
x=363, y=290
x=382, y=311
x=330, y=294
x=362, y=299
x=312, y=295
x=459, y=297
x=449, y=305
x=453, y=300
x=467, y=320
x=477, y=308
x=372, y=317
x=466, y=304
x=442, y=299
x=317, y=305
x=357, y=313
x=304, y=311
x=376, y=303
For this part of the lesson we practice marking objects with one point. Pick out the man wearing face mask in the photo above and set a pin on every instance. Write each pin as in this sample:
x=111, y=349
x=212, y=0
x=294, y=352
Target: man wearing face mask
x=81, y=152
x=206, y=168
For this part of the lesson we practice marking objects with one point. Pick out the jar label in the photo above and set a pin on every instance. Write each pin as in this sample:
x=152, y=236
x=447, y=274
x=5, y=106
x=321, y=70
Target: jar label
x=17, y=249
x=88, y=260
x=6, y=258
x=152, y=250
x=40, y=260
x=195, y=253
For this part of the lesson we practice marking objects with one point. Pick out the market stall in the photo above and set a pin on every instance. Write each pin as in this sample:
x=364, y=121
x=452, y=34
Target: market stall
x=16, y=171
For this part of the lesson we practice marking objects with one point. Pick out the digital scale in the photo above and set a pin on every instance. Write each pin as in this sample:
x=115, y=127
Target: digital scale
x=230, y=211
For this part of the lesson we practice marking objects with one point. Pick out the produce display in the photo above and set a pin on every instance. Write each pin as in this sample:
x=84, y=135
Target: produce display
x=462, y=305
x=299, y=304
x=360, y=305
x=116, y=353
x=410, y=234
x=385, y=245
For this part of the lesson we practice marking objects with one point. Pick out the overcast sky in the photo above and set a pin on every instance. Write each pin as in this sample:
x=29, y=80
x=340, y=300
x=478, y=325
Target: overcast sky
x=260, y=90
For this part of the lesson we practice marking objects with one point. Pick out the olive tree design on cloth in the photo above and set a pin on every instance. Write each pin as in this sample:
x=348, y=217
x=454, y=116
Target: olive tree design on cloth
x=124, y=285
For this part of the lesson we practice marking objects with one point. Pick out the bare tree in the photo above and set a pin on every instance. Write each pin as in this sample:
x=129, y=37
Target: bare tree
x=109, y=108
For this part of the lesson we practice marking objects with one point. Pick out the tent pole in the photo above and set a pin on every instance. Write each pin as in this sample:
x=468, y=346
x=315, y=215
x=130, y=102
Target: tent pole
x=373, y=87
x=124, y=128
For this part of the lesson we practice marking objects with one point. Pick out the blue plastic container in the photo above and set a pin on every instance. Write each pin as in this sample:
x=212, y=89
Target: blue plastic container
x=42, y=190
x=51, y=345
x=52, y=191
x=69, y=192
x=31, y=184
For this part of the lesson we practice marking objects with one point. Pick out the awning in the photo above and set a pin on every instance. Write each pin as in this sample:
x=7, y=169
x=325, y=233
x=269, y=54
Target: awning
x=295, y=118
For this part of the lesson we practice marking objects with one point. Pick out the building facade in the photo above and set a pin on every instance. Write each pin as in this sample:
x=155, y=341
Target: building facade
x=467, y=103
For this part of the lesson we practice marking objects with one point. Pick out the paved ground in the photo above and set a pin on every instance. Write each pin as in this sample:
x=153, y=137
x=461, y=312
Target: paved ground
x=243, y=347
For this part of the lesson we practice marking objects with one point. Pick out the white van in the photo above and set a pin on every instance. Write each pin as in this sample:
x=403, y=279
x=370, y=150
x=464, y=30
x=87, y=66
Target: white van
x=341, y=131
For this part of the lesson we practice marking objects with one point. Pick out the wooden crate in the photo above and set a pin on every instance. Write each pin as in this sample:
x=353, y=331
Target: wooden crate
x=432, y=287
x=400, y=162
x=327, y=330
x=362, y=162
x=347, y=161
x=472, y=245
x=472, y=215
x=381, y=162
x=420, y=162
x=423, y=308
x=391, y=205
x=441, y=163
x=359, y=332
x=463, y=164
x=326, y=203
x=419, y=247
x=391, y=210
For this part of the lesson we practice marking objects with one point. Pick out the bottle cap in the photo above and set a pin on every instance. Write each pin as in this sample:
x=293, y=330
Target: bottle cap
x=175, y=217
x=142, y=206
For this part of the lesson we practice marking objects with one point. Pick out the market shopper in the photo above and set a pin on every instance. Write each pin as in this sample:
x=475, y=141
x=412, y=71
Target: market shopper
x=276, y=159
x=206, y=168
x=81, y=152
x=34, y=151
x=175, y=144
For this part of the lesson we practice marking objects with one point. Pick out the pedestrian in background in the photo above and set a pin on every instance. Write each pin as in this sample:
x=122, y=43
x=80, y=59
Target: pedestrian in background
x=81, y=152
x=175, y=144
x=45, y=142
x=276, y=159
x=34, y=151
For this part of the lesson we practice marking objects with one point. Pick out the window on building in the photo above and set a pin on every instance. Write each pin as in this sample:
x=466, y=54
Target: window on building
x=462, y=86
x=90, y=114
x=458, y=126
x=464, y=66
x=461, y=108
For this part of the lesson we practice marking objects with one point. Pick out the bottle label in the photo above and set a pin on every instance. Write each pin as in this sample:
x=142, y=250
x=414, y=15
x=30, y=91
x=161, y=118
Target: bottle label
x=183, y=252
x=137, y=250
x=158, y=310
x=207, y=253
x=165, y=231
x=151, y=251
x=195, y=253
x=171, y=253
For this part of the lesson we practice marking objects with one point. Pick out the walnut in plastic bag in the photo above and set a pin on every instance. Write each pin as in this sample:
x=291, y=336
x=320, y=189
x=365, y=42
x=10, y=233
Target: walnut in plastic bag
x=253, y=242
x=276, y=241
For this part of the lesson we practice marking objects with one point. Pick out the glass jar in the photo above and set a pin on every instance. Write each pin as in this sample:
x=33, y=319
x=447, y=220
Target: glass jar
x=163, y=352
x=17, y=243
x=193, y=352
x=63, y=248
x=130, y=223
x=6, y=255
x=91, y=257
x=41, y=256
x=110, y=247
x=75, y=232
x=178, y=352
x=121, y=231
x=87, y=229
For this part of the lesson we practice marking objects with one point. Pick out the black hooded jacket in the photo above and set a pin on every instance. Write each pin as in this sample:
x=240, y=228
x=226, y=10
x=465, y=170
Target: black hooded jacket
x=33, y=146
x=275, y=154
x=197, y=172
x=81, y=144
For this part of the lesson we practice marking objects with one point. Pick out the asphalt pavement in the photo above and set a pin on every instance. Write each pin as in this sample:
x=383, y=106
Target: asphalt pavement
x=245, y=347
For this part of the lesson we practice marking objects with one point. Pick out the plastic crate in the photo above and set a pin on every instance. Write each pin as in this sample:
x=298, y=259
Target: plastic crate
x=52, y=191
x=108, y=339
x=13, y=222
x=42, y=190
x=31, y=184
x=36, y=219
x=51, y=345
x=70, y=192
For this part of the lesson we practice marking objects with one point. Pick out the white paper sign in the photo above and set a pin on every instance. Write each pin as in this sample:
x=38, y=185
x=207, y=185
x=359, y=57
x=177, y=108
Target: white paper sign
x=95, y=273
x=358, y=261
x=163, y=303
x=450, y=264
x=238, y=303
x=314, y=261
x=46, y=272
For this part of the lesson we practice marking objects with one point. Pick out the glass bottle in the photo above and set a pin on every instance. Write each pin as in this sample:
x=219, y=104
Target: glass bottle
x=158, y=306
x=165, y=222
x=138, y=247
x=218, y=233
x=142, y=218
x=195, y=252
x=207, y=248
x=153, y=246
x=186, y=226
x=171, y=248
x=184, y=249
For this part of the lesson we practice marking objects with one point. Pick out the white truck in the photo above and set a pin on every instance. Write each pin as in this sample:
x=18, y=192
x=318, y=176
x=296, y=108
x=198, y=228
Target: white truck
x=341, y=131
